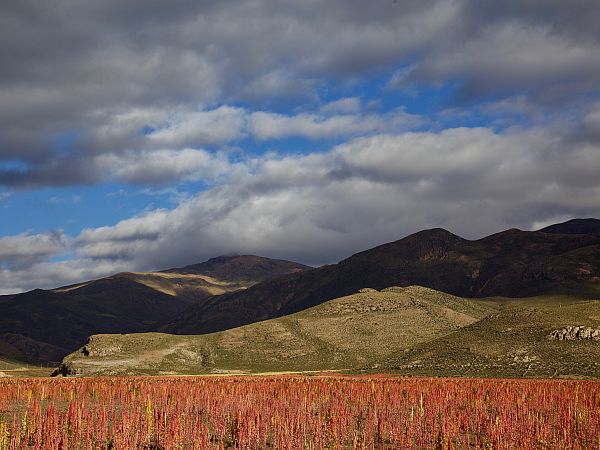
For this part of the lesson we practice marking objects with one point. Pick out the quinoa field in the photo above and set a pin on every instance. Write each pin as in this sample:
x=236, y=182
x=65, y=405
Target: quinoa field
x=293, y=412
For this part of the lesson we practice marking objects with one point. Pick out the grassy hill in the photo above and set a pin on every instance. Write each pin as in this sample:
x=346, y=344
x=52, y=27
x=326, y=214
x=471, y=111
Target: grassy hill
x=343, y=333
x=409, y=331
x=512, y=342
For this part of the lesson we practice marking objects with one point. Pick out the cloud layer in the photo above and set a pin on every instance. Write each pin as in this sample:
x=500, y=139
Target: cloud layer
x=105, y=71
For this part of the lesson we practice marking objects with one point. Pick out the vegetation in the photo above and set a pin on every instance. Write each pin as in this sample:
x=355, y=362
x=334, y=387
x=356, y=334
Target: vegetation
x=298, y=412
x=512, y=342
x=410, y=331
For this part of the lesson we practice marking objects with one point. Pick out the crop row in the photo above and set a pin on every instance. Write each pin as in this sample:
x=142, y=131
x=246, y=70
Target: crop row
x=298, y=413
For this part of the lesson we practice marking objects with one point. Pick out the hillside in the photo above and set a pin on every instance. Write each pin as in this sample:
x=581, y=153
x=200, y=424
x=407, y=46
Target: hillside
x=512, y=263
x=344, y=333
x=574, y=226
x=513, y=342
x=45, y=325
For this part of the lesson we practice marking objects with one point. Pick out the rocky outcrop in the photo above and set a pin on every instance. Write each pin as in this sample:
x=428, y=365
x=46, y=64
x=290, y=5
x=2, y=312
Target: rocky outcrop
x=574, y=333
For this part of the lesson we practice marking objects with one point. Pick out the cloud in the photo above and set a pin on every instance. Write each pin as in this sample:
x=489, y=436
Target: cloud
x=347, y=105
x=5, y=197
x=220, y=125
x=161, y=166
x=124, y=241
x=517, y=55
x=319, y=208
x=155, y=94
x=24, y=249
x=172, y=69
x=591, y=122
x=155, y=147
x=46, y=274
x=266, y=125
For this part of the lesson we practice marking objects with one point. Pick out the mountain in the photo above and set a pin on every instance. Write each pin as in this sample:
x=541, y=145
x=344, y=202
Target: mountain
x=344, y=333
x=241, y=268
x=575, y=226
x=45, y=325
x=512, y=263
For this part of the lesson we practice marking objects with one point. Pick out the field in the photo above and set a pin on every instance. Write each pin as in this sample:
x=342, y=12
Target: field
x=298, y=412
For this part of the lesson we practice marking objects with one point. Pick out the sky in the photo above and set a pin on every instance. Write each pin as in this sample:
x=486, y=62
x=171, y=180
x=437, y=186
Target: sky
x=141, y=135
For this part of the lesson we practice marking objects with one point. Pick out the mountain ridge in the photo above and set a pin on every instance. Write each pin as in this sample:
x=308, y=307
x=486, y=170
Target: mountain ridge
x=511, y=263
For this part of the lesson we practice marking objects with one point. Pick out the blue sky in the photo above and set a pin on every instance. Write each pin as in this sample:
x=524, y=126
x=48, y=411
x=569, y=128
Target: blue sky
x=139, y=137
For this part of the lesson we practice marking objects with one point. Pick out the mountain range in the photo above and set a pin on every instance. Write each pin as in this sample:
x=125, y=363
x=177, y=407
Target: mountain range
x=237, y=291
x=561, y=259
x=45, y=325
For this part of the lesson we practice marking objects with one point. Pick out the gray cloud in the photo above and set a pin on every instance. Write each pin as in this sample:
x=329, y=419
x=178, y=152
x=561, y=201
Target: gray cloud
x=25, y=249
x=168, y=151
x=515, y=55
x=46, y=274
x=266, y=125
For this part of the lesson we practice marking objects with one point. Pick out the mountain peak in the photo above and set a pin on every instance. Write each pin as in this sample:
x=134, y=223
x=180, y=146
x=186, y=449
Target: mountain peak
x=574, y=226
x=241, y=267
x=435, y=233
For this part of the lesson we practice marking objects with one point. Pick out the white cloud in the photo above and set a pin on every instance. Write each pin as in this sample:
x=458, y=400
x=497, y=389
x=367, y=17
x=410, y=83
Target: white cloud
x=322, y=207
x=267, y=125
x=223, y=124
x=25, y=248
x=347, y=105
x=161, y=166
x=125, y=240
x=50, y=275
